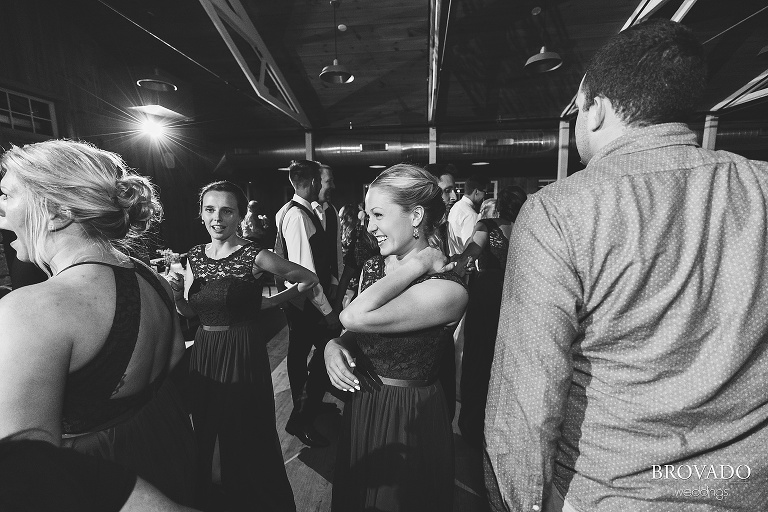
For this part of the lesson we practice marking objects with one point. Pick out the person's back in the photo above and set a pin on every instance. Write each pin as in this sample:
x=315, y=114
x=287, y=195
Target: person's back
x=669, y=363
x=86, y=352
x=633, y=331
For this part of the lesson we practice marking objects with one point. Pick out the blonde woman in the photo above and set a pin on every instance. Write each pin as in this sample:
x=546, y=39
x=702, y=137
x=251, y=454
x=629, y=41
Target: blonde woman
x=396, y=446
x=86, y=354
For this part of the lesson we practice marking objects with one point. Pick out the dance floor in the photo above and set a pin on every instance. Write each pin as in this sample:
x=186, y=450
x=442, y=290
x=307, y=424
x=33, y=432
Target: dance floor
x=310, y=470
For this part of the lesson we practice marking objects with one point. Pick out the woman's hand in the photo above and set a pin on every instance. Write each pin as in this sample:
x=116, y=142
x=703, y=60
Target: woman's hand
x=432, y=260
x=176, y=281
x=340, y=364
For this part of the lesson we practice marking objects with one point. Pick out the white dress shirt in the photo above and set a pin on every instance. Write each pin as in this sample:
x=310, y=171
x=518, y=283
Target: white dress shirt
x=297, y=229
x=461, y=225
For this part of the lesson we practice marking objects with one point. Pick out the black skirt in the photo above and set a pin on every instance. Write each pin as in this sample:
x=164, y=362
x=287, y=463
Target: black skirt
x=395, y=451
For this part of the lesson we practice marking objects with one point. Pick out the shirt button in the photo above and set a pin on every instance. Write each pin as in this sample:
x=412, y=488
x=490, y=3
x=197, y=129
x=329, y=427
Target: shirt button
x=536, y=508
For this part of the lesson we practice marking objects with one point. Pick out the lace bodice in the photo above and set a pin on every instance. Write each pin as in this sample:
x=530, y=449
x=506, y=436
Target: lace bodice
x=410, y=355
x=225, y=291
x=494, y=255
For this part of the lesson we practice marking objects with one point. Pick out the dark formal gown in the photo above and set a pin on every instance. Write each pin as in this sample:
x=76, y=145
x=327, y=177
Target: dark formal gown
x=232, y=396
x=396, y=445
x=148, y=432
x=480, y=328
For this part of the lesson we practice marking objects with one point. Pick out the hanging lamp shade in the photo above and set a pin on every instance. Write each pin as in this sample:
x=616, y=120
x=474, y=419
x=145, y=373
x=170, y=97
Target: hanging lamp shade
x=336, y=74
x=544, y=61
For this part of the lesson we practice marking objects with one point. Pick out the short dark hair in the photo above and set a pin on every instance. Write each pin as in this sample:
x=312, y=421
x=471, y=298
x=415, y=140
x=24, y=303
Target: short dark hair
x=301, y=172
x=225, y=186
x=440, y=170
x=652, y=73
x=509, y=202
x=475, y=182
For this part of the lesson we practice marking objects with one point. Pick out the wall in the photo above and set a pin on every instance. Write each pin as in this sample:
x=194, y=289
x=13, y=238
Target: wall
x=48, y=54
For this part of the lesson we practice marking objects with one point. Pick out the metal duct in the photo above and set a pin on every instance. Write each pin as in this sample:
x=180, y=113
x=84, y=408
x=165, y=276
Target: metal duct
x=360, y=149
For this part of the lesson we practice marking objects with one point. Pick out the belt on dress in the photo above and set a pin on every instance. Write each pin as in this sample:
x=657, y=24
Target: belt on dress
x=404, y=383
x=223, y=327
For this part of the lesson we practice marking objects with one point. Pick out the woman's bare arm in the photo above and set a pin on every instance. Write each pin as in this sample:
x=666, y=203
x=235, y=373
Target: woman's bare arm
x=35, y=352
x=303, y=278
x=391, y=306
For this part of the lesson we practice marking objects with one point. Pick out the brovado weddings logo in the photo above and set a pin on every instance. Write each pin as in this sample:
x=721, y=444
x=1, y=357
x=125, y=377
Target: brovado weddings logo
x=701, y=472
x=718, y=475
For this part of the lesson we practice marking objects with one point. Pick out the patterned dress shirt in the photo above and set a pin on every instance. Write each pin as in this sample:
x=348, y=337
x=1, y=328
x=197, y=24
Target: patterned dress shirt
x=631, y=365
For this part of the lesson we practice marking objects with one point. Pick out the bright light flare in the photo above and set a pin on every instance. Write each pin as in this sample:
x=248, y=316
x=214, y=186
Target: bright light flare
x=154, y=128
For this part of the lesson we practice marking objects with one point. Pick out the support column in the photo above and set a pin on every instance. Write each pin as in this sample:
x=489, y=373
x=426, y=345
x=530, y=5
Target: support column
x=432, y=145
x=563, y=141
x=309, y=145
x=710, y=132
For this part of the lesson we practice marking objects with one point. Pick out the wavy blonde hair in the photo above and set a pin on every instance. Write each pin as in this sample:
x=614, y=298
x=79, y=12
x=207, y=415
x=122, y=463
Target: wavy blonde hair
x=91, y=187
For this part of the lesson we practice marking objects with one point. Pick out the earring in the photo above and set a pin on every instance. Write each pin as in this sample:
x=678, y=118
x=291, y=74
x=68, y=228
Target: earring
x=415, y=232
x=51, y=226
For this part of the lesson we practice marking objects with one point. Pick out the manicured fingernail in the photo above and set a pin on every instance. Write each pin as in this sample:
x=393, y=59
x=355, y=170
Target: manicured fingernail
x=357, y=381
x=357, y=388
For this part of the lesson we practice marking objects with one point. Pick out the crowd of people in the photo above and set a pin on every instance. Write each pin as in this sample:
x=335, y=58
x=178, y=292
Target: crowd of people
x=614, y=325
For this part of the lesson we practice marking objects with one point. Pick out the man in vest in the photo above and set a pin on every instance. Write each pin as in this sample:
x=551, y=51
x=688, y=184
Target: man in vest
x=302, y=239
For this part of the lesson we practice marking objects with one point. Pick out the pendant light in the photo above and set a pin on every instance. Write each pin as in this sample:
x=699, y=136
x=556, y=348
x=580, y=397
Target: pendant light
x=336, y=73
x=545, y=60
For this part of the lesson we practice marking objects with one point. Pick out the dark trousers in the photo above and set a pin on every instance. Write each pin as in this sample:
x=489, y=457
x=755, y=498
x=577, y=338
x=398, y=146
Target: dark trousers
x=480, y=329
x=309, y=382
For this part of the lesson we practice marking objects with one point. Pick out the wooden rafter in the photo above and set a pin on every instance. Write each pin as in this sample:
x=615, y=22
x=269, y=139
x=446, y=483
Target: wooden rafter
x=231, y=19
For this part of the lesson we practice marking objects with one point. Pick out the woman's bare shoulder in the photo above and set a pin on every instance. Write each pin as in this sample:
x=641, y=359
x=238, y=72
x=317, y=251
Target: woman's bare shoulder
x=42, y=309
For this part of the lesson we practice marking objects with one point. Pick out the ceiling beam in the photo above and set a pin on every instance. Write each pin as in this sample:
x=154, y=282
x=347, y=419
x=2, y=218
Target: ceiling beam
x=436, y=50
x=686, y=6
x=643, y=10
x=232, y=21
x=749, y=92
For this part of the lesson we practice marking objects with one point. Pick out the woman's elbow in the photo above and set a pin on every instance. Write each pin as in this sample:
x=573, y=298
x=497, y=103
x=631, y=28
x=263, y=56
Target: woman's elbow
x=310, y=281
x=349, y=319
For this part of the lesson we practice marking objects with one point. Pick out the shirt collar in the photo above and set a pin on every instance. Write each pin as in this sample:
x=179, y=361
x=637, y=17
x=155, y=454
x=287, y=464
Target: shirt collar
x=648, y=137
x=303, y=202
x=467, y=200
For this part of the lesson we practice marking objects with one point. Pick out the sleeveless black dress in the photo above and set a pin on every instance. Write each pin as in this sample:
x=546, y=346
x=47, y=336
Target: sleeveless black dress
x=396, y=446
x=232, y=395
x=480, y=326
x=148, y=432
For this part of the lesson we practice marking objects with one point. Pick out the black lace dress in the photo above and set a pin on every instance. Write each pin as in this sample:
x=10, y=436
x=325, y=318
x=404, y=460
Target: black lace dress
x=480, y=328
x=149, y=431
x=232, y=396
x=396, y=446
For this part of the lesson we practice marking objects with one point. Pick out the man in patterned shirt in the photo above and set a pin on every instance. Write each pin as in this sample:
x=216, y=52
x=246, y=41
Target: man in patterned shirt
x=631, y=365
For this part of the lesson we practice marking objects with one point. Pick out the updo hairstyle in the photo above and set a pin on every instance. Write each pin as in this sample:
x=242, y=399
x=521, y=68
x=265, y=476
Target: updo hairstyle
x=225, y=186
x=88, y=186
x=411, y=186
x=510, y=201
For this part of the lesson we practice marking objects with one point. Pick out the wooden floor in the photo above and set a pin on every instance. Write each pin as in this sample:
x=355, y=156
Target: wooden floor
x=310, y=470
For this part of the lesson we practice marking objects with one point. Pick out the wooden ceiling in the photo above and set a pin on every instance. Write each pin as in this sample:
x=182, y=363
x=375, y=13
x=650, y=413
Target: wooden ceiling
x=483, y=46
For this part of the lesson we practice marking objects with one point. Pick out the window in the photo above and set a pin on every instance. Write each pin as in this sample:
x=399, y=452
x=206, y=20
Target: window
x=27, y=114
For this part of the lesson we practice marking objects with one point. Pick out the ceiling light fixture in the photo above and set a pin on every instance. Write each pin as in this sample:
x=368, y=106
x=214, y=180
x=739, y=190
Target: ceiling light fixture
x=157, y=82
x=377, y=166
x=336, y=73
x=481, y=163
x=544, y=61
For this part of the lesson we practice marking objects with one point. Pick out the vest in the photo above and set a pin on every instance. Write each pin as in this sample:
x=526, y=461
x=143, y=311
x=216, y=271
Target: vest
x=331, y=235
x=317, y=242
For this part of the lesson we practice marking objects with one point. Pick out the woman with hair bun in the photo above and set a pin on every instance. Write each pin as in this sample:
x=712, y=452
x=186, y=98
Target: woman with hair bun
x=85, y=355
x=396, y=446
